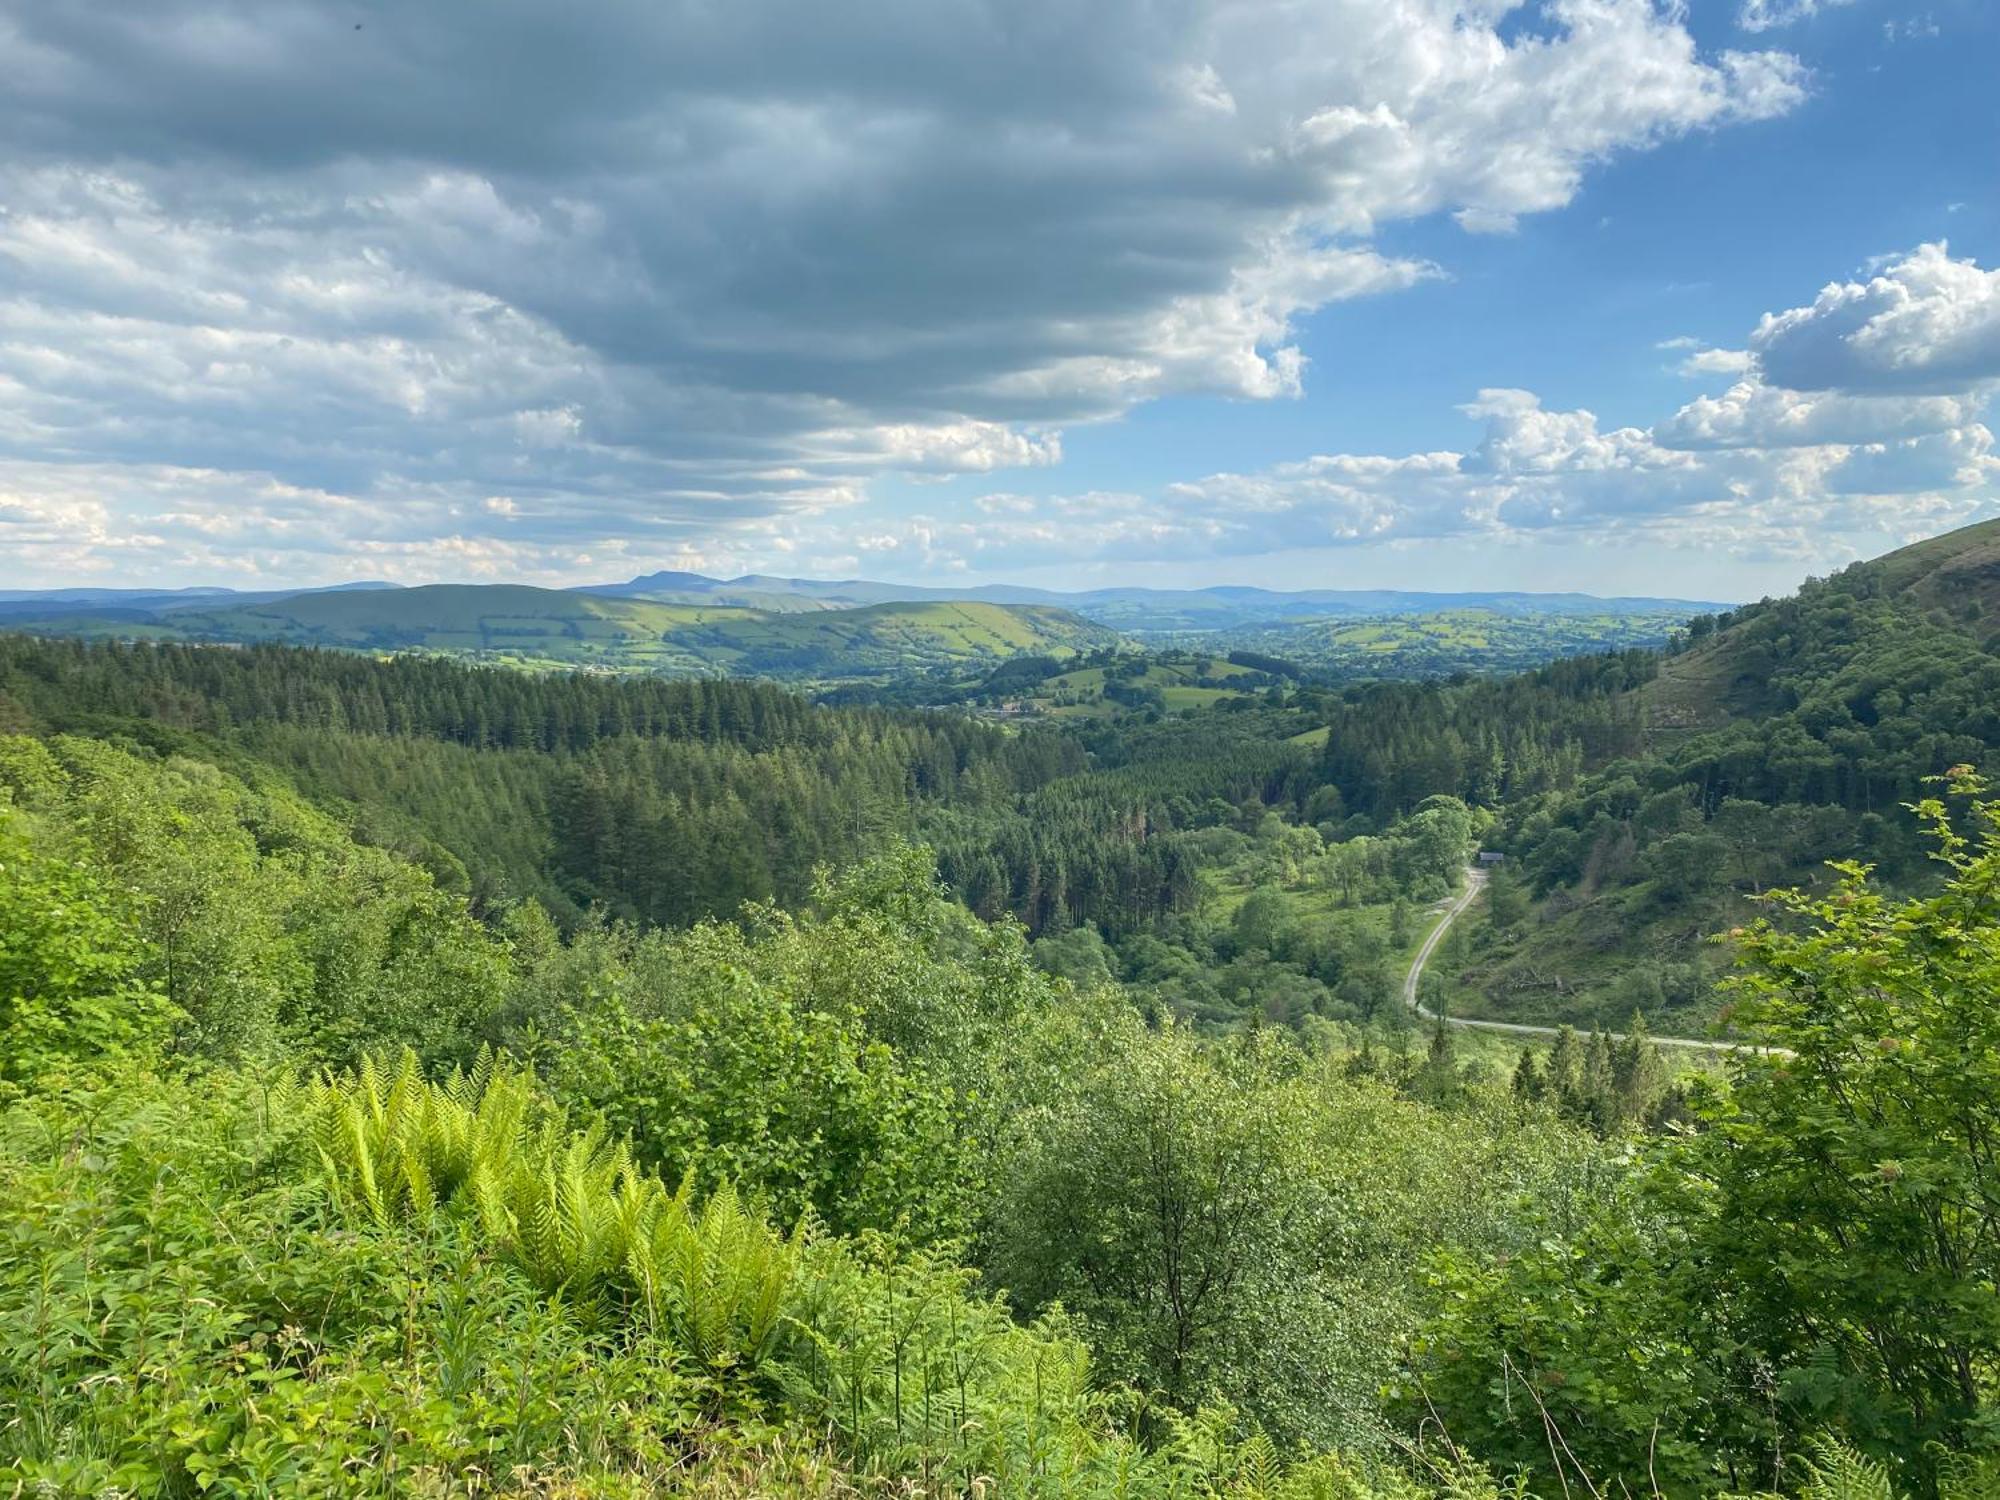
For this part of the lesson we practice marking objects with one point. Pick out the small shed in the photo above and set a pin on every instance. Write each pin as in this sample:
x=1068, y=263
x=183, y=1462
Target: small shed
x=1492, y=857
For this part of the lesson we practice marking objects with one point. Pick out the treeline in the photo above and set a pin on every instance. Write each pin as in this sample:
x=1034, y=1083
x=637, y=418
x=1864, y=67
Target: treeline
x=209, y=689
x=1850, y=707
x=663, y=802
x=845, y=1097
x=650, y=800
x=1772, y=741
x=1390, y=746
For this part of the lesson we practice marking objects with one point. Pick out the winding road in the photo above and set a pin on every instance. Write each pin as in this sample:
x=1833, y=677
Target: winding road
x=1475, y=882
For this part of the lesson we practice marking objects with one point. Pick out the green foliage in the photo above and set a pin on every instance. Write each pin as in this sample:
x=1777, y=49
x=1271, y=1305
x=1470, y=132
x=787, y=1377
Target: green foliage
x=567, y=1207
x=838, y=1061
x=553, y=628
x=259, y=922
x=1590, y=1360
x=71, y=992
x=1239, y=1225
x=862, y=1191
x=1821, y=1255
x=184, y=1309
x=660, y=802
x=1446, y=642
x=179, y=1315
x=1612, y=1086
x=1858, y=1196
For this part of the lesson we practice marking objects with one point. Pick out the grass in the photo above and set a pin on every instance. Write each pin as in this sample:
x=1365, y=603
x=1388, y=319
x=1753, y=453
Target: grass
x=1573, y=964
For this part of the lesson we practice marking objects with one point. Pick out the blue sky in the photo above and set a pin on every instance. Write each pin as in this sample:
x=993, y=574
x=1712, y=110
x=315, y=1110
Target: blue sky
x=1363, y=292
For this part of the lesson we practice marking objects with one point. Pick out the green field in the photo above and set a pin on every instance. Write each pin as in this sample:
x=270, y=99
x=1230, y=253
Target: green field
x=1182, y=682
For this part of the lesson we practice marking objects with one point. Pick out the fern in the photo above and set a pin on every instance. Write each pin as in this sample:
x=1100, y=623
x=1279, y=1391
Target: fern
x=1837, y=1472
x=569, y=1207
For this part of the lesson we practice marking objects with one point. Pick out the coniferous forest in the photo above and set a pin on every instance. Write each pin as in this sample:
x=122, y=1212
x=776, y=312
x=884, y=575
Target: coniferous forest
x=422, y=1077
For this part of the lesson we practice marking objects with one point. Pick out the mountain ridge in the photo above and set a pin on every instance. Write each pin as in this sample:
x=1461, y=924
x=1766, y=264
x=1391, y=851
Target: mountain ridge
x=1149, y=610
x=521, y=625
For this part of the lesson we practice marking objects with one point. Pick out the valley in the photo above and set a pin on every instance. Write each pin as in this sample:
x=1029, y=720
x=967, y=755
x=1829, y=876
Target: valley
x=1218, y=750
x=929, y=963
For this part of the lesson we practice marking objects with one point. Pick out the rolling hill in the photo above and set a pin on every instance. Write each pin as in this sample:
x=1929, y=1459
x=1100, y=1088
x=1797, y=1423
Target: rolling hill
x=548, y=628
x=1486, y=638
x=1143, y=611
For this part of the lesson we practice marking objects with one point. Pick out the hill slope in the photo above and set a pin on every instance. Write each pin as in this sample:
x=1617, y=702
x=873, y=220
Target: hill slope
x=1785, y=735
x=1766, y=658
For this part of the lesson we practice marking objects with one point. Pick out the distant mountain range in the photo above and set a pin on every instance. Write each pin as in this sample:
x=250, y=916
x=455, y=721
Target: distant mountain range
x=558, y=628
x=1222, y=607
x=682, y=623
x=40, y=603
x=1135, y=610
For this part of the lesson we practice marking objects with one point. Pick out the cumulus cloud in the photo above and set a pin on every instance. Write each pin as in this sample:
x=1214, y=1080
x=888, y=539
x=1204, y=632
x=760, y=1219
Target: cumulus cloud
x=1959, y=460
x=1751, y=414
x=652, y=270
x=1535, y=472
x=1860, y=415
x=1924, y=322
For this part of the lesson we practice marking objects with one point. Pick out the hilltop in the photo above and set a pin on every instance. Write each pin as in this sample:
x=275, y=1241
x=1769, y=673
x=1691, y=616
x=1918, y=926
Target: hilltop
x=1146, y=612
x=1492, y=638
x=858, y=632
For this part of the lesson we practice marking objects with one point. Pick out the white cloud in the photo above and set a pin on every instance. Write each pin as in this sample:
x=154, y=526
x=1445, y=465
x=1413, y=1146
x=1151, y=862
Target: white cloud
x=1767, y=15
x=1008, y=505
x=966, y=447
x=671, y=269
x=1716, y=362
x=1924, y=322
x=1915, y=28
x=1535, y=473
x=1751, y=414
x=1878, y=434
x=1958, y=460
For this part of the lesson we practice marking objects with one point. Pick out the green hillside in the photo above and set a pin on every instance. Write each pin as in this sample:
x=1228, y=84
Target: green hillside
x=1783, y=735
x=1166, y=682
x=1441, y=642
x=550, y=628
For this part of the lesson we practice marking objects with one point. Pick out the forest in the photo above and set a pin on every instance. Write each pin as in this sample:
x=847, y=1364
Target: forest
x=424, y=1078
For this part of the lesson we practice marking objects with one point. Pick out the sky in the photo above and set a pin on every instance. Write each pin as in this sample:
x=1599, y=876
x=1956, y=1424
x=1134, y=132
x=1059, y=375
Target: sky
x=1624, y=296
